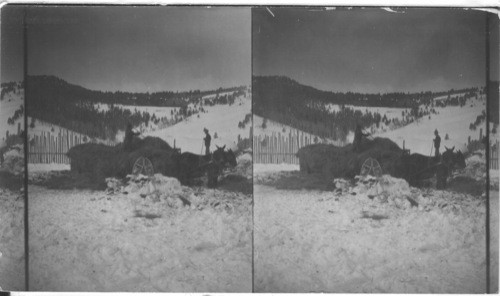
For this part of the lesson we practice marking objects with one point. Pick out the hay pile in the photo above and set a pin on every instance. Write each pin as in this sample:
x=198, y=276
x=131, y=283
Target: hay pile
x=344, y=162
x=99, y=161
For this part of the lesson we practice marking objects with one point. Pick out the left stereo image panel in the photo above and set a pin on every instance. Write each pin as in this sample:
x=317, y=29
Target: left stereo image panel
x=139, y=159
x=12, y=162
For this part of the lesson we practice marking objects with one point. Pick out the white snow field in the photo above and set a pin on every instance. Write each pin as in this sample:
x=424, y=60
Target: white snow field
x=84, y=240
x=451, y=120
x=12, y=259
x=8, y=106
x=494, y=241
x=221, y=119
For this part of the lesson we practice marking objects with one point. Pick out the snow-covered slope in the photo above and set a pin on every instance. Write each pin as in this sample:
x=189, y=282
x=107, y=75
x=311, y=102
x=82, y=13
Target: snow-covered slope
x=451, y=120
x=8, y=106
x=221, y=119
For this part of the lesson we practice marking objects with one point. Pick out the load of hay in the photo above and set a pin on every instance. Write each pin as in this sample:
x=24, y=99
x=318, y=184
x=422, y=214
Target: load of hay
x=99, y=161
x=344, y=162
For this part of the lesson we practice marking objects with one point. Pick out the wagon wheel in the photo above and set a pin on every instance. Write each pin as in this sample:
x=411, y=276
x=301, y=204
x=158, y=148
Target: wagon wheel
x=143, y=166
x=371, y=167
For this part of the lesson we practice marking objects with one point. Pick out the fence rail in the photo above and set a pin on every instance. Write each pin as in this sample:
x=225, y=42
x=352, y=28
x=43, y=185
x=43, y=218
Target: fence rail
x=280, y=148
x=51, y=147
x=494, y=156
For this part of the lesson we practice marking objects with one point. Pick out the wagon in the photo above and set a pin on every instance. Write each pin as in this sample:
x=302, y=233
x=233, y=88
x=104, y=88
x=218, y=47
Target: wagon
x=144, y=156
x=376, y=157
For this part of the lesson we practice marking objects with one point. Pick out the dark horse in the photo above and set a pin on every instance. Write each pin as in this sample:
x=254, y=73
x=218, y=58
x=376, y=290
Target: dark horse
x=194, y=165
x=417, y=168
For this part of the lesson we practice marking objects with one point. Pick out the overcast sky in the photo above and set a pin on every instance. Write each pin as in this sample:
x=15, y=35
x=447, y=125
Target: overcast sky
x=372, y=50
x=141, y=48
x=11, y=61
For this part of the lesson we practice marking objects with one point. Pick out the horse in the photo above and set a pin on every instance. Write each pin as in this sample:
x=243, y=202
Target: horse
x=454, y=160
x=416, y=168
x=194, y=165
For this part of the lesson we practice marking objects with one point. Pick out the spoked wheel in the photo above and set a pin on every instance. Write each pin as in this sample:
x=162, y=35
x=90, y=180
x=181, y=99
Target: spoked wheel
x=371, y=167
x=143, y=166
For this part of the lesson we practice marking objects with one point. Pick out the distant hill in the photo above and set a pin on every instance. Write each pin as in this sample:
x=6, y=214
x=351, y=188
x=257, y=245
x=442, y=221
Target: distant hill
x=58, y=102
x=284, y=100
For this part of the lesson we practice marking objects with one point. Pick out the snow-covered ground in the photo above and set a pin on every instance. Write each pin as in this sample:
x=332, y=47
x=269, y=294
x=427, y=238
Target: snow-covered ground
x=494, y=241
x=46, y=167
x=12, y=259
x=90, y=241
x=221, y=119
x=451, y=120
x=317, y=241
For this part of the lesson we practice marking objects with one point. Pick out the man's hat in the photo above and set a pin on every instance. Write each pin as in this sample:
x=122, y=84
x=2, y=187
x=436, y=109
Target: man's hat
x=205, y=129
x=436, y=131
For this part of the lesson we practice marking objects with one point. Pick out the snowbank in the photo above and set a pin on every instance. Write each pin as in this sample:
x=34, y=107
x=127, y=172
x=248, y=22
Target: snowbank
x=14, y=160
x=11, y=240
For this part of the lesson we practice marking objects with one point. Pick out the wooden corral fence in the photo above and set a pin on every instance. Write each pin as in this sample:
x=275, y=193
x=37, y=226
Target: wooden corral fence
x=281, y=148
x=494, y=156
x=51, y=147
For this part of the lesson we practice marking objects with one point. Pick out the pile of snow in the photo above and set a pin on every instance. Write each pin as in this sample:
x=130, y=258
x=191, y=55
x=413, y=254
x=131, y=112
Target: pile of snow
x=14, y=160
x=476, y=166
x=11, y=240
x=244, y=165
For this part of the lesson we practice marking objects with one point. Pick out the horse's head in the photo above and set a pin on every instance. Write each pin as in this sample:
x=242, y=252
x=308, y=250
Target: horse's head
x=224, y=157
x=231, y=158
x=453, y=159
x=460, y=160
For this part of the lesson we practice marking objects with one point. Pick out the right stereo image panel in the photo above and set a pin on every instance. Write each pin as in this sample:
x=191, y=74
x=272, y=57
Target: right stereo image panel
x=375, y=159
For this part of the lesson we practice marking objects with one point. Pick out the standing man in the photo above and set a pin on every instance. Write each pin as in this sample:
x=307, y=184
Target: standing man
x=358, y=137
x=207, y=140
x=129, y=136
x=437, y=143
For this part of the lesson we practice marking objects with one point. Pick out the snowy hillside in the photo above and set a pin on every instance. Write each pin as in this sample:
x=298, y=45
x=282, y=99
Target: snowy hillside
x=10, y=103
x=221, y=119
x=451, y=120
x=418, y=135
x=273, y=127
